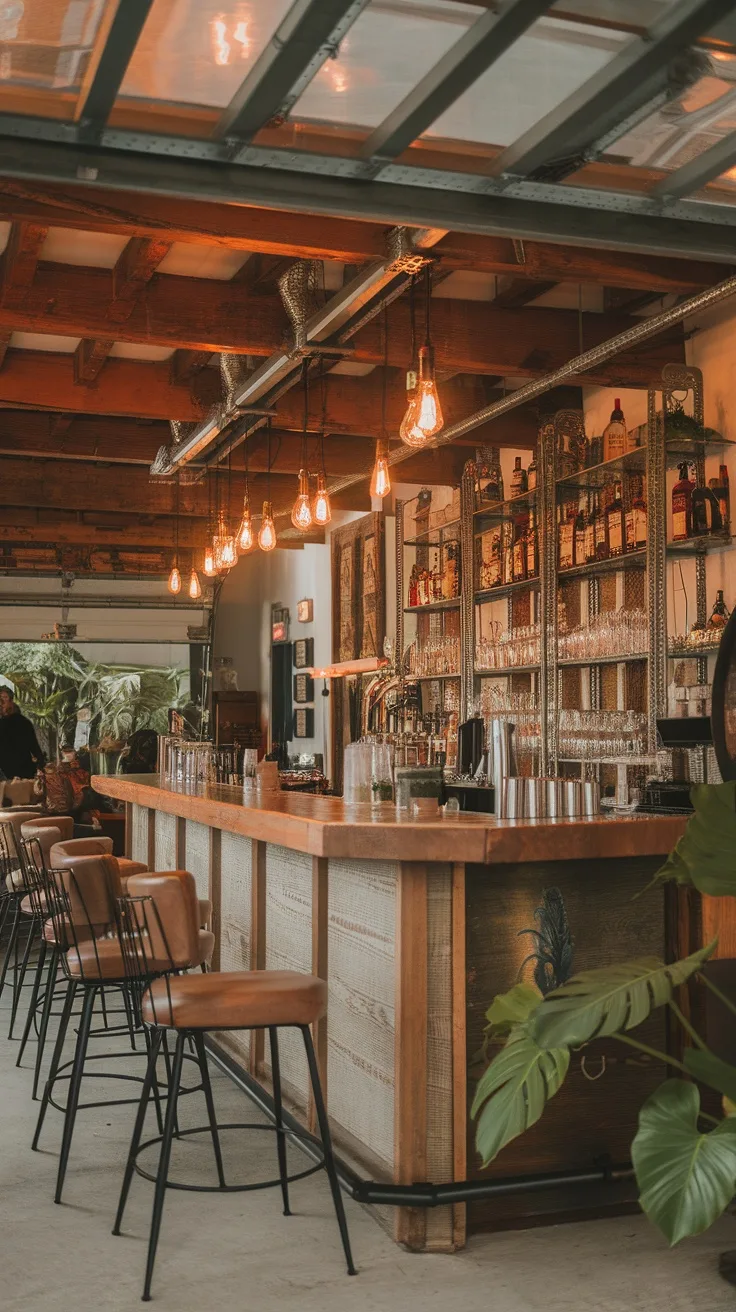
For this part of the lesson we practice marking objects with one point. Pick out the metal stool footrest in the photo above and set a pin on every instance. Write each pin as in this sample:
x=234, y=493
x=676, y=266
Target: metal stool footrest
x=232, y=1188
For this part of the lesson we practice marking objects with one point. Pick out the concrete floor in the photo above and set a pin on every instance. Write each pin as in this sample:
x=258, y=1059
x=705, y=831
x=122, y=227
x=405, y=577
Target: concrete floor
x=239, y=1251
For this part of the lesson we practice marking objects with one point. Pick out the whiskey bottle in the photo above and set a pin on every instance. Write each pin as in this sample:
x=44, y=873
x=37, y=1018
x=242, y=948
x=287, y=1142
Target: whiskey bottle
x=413, y=586
x=532, y=550
x=519, y=550
x=590, y=533
x=614, y=434
x=682, y=523
x=724, y=498
x=566, y=551
x=531, y=476
x=705, y=511
x=615, y=523
x=507, y=553
x=451, y=573
x=580, y=532
x=518, y=479
x=495, y=571
x=601, y=530
x=639, y=507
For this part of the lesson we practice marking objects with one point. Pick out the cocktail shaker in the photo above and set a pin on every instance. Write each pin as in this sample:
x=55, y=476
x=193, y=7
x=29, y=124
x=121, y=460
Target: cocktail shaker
x=501, y=757
x=591, y=797
x=511, y=798
x=535, y=799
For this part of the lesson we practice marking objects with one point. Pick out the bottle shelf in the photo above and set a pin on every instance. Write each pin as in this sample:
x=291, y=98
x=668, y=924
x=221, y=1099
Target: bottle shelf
x=700, y=546
x=598, y=476
x=629, y=560
x=503, y=671
x=452, y=603
x=430, y=678
x=682, y=447
x=606, y=760
x=693, y=650
x=497, y=512
x=434, y=543
x=485, y=595
x=621, y=659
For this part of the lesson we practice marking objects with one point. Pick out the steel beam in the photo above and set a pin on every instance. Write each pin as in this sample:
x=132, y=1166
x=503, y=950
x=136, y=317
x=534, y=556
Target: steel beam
x=609, y=102
x=94, y=107
x=698, y=171
x=310, y=33
x=475, y=52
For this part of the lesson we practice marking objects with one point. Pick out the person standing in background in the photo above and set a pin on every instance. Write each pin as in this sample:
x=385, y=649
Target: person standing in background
x=20, y=755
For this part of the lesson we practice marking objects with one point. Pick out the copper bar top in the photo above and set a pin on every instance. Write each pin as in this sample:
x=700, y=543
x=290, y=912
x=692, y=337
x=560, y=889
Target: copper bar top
x=326, y=826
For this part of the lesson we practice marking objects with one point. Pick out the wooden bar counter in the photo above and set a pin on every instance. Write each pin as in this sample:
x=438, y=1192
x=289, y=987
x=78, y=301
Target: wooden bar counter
x=416, y=926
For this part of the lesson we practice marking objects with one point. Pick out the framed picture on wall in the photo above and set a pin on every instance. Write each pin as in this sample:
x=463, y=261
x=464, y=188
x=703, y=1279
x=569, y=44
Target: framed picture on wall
x=358, y=589
x=304, y=722
x=303, y=653
x=303, y=688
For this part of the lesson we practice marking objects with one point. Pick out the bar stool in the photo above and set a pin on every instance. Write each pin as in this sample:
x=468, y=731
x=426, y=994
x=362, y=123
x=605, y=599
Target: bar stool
x=126, y=867
x=84, y=899
x=13, y=889
x=194, y=1005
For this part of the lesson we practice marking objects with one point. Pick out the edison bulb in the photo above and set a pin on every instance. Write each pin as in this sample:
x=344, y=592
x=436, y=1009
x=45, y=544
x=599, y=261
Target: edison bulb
x=409, y=431
x=423, y=418
x=380, y=482
x=209, y=563
x=267, y=531
x=228, y=553
x=321, y=509
x=244, y=537
x=195, y=589
x=301, y=515
x=174, y=583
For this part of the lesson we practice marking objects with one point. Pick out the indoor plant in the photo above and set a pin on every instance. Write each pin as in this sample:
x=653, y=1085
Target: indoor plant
x=684, y=1159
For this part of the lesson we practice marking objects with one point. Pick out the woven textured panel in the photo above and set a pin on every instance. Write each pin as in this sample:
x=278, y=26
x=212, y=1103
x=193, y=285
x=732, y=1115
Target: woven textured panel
x=439, y=1047
x=360, y=1016
x=197, y=855
x=165, y=841
x=235, y=902
x=289, y=947
x=139, y=836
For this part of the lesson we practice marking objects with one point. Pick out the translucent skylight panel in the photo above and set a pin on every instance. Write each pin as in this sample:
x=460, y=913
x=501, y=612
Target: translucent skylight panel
x=47, y=43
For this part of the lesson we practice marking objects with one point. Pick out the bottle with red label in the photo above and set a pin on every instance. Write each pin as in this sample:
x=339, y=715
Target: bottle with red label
x=682, y=495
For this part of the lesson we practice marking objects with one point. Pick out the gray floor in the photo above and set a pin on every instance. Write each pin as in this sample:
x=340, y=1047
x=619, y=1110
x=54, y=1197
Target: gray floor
x=239, y=1252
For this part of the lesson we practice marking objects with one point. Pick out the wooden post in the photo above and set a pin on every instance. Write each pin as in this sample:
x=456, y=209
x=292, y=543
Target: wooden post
x=151, y=854
x=215, y=892
x=410, y=1063
x=128, y=846
x=459, y=1046
x=319, y=967
x=181, y=843
x=257, y=939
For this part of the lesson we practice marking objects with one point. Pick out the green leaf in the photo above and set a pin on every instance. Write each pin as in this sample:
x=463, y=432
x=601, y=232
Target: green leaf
x=515, y=1088
x=705, y=855
x=719, y=1075
x=509, y=1009
x=686, y=1178
x=601, y=1002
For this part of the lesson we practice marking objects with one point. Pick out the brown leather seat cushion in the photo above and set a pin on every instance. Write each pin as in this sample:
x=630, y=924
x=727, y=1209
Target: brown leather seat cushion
x=129, y=867
x=103, y=959
x=235, y=1000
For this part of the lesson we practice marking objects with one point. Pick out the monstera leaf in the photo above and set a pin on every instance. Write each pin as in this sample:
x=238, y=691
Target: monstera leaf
x=686, y=1178
x=710, y=1070
x=514, y=1089
x=705, y=855
x=602, y=1002
x=509, y=1009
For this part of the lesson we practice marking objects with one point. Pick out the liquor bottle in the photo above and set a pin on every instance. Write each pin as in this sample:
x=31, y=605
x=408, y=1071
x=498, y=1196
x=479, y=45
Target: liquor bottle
x=601, y=531
x=566, y=553
x=639, y=507
x=507, y=553
x=615, y=523
x=424, y=595
x=495, y=572
x=705, y=511
x=719, y=614
x=532, y=549
x=437, y=573
x=518, y=479
x=724, y=499
x=581, y=525
x=682, y=524
x=451, y=573
x=519, y=549
x=413, y=586
x=531, y=476
x=488, y=484
x=590, y=532
x=568, y=459
x=614, y=434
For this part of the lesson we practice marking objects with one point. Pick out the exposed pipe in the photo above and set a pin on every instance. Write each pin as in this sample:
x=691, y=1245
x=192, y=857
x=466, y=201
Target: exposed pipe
x=379, y=1193
x=96, y=602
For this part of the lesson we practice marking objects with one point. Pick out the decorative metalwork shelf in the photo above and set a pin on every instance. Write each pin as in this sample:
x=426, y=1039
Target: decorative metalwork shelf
x=597, y=476
x=429, y=542
x=693, y=651
x=497, y=512
x=503, y=590
x=682, y=448
x=602, y=660
x=629, y=560
x=700, y=546
x=452, y=603
x=504, y=670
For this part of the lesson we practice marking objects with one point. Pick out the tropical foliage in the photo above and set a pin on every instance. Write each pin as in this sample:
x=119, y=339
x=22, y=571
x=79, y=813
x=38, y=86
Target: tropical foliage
x=684, y=1159
x=53, y=681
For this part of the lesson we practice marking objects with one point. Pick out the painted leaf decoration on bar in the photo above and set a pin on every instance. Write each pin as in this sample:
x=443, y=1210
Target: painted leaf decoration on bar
x=686, y=1178
x=603, y=1002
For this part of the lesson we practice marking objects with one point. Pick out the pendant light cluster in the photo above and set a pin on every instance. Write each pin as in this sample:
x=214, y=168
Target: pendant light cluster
x=381, y=481
x=423, y=417
x=174, y=580
x=307, y=511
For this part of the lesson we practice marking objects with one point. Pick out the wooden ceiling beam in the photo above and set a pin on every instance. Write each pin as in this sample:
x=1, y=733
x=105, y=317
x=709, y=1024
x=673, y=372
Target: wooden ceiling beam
x=39, y=381
x=20, y=261
x=273, y=232
x=135, y=267
x=90, y=356
x=183, y=365
x=209, y=315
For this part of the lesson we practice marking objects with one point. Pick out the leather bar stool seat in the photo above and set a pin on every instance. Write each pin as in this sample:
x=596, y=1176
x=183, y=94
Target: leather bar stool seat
x=16, y=820
x=128, y=867
x=63, y=823
x=236, y=1000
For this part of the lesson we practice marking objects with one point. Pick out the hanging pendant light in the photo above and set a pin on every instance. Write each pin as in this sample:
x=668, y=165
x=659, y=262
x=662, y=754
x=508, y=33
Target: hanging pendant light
x=195, y=587
x=244, y=536
x=381, y=481
x=321, y=510
x=174, y=580
x=301, y=515
x=209, y=567
x=267, y=531
x=423, y=418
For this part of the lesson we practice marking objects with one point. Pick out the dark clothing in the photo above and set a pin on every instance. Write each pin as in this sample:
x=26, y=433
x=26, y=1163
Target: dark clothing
x=20, y=754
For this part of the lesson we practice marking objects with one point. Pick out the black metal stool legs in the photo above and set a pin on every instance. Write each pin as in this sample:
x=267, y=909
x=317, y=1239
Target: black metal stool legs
x=56, y=1059
x=326, y=1137
x=38, y=976
x=163, y=1162
x=20, y=977
x=149, y=1082
x=273, y=1036
x=48, y=1002
x=207, y=1090
x=75, y=1086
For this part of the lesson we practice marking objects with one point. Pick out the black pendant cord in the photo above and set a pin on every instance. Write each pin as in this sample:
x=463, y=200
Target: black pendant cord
x=268, y=461
x=384, y=381
x=176, y=521
x=428, y=302
x=413, y=320
x=305, y=418
x=229, y=502
x=246, y=496
x=323, y=422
